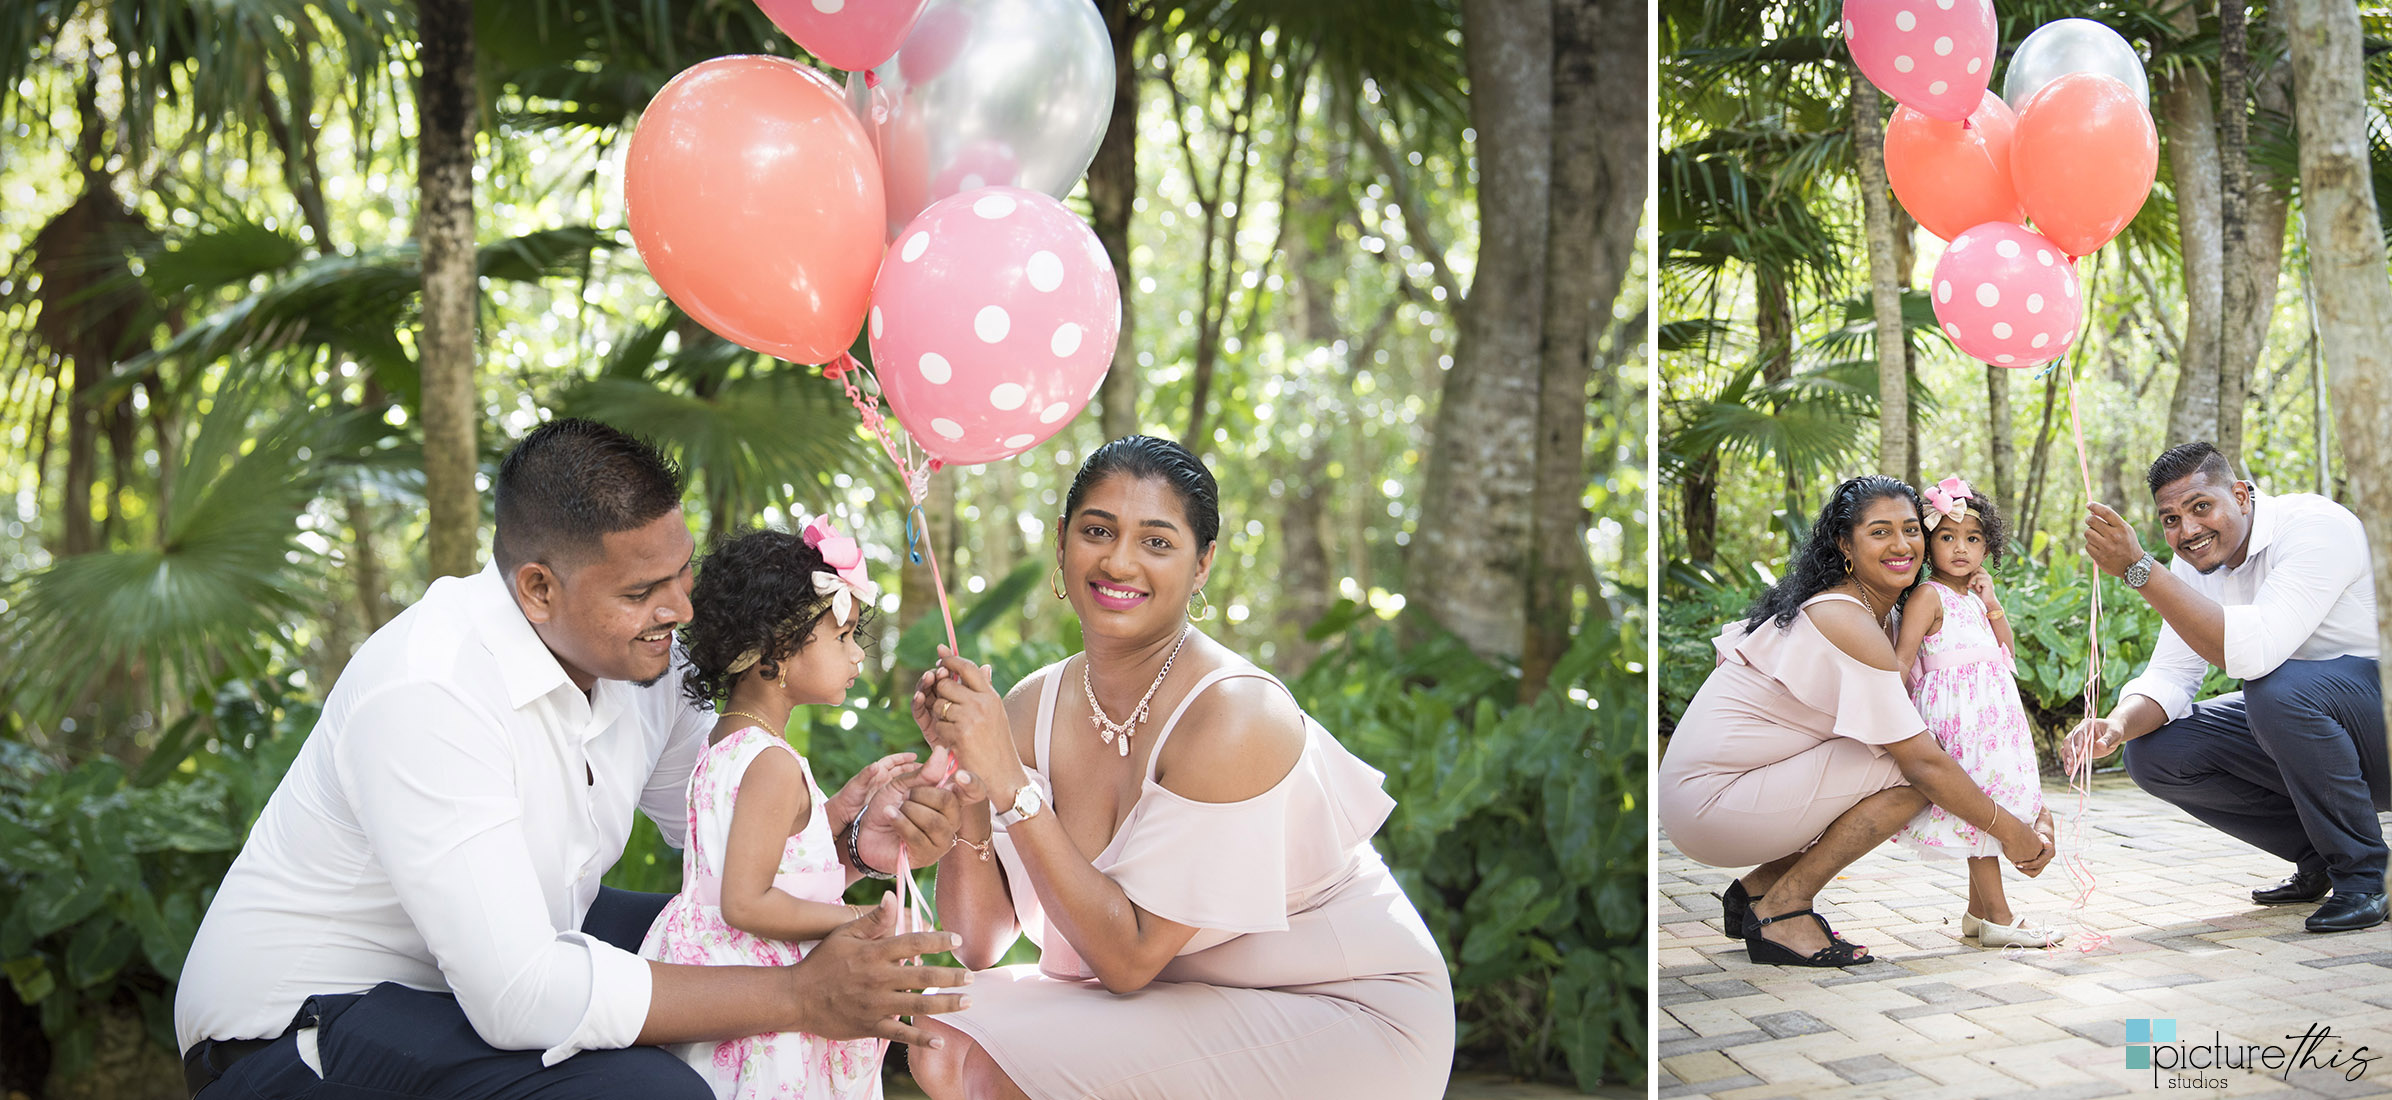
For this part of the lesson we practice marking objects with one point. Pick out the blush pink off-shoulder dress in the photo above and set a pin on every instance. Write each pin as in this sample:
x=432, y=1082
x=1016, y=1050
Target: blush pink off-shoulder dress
x=1786, y=735
x=1311, y=975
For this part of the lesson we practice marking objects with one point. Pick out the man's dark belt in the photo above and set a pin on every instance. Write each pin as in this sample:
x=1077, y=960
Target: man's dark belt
x=208, y=1059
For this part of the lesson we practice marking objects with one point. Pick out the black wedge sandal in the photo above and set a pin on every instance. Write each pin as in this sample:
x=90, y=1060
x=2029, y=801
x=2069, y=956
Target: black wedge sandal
x=1734, y=905
x=1838, y=952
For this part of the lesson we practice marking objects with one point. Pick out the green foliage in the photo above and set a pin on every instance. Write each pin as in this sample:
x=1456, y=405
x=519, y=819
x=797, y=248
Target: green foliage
x=1518, y=832
x=104, y=874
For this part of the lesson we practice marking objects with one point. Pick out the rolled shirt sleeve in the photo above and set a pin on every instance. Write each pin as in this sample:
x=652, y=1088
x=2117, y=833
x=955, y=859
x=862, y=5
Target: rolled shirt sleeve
x=2310, y=565
x=2174, y=675
x=471, y=886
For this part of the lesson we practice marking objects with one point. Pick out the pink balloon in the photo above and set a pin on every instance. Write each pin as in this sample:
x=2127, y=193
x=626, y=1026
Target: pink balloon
x=1933, y=56
x=992, y=323
x=846, y=34
x=2008, y=296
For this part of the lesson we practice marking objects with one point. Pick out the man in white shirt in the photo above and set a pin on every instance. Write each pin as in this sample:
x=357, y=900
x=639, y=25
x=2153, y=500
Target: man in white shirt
x=417, y=912
x=2277, y=591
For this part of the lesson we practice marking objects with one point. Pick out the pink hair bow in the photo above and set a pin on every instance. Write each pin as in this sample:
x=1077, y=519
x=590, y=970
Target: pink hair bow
x=848, y=583
x=1947, y=499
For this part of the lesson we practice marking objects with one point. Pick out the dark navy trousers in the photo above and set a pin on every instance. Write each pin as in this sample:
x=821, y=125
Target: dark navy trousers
x=392, y=1041
x=2293, y=765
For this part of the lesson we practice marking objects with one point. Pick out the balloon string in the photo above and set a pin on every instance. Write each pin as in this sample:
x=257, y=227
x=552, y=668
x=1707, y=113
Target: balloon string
x=2080, y=775
x=915, y=474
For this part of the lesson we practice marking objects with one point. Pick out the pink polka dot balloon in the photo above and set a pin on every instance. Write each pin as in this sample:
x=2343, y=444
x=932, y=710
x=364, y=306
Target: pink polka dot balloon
x=992, y=323
x=1933, y=56
x=2007, y=295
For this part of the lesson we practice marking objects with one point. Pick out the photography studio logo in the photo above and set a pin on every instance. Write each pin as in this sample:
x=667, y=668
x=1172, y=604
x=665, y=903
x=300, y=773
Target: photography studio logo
x=2191, y=1064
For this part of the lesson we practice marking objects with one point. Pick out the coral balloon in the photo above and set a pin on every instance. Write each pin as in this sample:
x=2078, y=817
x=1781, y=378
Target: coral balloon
x=2083, y=159
x=993, y=321
x=755, y=200
x=2007, y=296
x=1933, y=56
x=1952, y=175
x=845, y=35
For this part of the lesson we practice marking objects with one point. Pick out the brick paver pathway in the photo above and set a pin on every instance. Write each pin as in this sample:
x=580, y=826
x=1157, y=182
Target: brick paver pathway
x=1937, y=1017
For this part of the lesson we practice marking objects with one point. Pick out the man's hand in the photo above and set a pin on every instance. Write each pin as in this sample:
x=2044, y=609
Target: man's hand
x=855, y=983
x=914, y=811
x=2092, y=739
x=2110, y=541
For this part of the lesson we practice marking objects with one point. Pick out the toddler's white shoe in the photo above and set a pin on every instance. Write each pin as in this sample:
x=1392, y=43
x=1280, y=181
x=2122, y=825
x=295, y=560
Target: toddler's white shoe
x=2019, y=934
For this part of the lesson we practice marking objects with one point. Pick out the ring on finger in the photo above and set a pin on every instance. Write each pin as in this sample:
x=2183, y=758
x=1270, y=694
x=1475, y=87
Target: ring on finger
x=946, y=707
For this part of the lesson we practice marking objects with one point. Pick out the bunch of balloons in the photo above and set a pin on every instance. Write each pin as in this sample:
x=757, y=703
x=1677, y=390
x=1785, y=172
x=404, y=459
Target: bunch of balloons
x=780, y=211
x=2068, y=146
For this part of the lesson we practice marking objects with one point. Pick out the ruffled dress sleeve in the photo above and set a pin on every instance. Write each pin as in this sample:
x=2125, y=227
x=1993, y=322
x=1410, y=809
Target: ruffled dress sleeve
x=1869, y=704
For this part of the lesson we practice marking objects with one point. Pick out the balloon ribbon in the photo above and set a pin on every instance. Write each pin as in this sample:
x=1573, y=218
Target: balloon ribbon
x=916, y=474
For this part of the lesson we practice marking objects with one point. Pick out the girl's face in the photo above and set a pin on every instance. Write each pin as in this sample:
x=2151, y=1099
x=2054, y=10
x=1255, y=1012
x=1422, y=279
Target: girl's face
x=825, y=667
x=1957, y=547
x=1883, y=544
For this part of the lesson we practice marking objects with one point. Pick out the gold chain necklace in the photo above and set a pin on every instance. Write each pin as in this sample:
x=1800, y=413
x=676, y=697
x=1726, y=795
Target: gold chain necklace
x=1108, y=728
x=743, y=714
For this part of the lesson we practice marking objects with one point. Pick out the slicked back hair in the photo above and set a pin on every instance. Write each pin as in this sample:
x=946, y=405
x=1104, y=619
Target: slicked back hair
x=1147, y=456
x=571, y=483
x=2185, y=459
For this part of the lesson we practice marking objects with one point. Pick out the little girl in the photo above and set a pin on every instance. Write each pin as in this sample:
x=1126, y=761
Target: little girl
x=1955, y=648
x=773, y=627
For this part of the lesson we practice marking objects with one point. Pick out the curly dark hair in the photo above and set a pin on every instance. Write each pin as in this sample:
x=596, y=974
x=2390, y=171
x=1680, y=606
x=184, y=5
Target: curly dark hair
x=1991, y=521
x=1818, y=564
x=754, y=591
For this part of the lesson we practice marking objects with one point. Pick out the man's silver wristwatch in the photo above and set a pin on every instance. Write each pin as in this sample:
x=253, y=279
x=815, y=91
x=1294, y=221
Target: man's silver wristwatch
x=2139, y=574
x=1026, y=805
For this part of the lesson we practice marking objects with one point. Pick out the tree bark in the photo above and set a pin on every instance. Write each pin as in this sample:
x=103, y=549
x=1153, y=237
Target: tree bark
x=1468, y=567
x=2002, y=450
x=1112, y=189
x=1597, y=200
x=2190, y=122
x=445, y=229
x=2258, y=258
x=1885, y=284
x=2347, y=263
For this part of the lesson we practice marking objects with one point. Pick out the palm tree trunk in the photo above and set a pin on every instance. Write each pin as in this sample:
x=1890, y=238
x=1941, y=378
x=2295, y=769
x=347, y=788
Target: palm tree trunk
x=445, y=228
x=1885, y=285
x=2346, y=259
x=2190, y=122
x=1468, y=567
x=1112, y=188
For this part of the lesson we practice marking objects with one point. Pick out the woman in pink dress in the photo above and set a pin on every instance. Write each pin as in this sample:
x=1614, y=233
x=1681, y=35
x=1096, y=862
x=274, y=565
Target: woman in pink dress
x=1189, y=850
x=1802, y=752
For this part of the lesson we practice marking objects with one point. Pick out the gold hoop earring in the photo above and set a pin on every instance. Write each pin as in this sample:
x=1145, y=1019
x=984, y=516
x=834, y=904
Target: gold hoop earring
x=1055, y=581
x=1206, y=613
x=1847, y=567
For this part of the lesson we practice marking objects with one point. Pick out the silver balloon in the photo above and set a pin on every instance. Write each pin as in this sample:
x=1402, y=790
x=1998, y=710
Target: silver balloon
x=2065, y=46
x=986, y=93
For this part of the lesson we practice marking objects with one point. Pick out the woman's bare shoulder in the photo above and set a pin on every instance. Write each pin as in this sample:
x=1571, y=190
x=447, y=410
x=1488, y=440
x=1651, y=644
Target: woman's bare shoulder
x=1849, y=627
x=1235, y=741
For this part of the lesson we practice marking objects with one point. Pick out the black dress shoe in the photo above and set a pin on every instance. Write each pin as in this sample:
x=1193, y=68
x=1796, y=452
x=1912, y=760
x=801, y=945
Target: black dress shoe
x=2348, y=912
x=2302, y=886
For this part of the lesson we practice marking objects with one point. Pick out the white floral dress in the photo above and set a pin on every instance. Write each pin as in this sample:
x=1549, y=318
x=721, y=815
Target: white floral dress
x=1968, y=694
x=782, y=1065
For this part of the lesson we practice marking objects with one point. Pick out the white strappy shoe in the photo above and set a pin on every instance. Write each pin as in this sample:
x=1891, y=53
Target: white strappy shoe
x=2019, y=934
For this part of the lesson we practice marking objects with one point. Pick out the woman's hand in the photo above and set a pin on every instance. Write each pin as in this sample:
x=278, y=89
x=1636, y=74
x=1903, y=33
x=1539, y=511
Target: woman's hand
x=968, y=716
x=2027, y=848
x=842, y=807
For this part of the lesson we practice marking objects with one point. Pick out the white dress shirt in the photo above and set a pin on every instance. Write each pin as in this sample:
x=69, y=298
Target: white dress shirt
x=445, y=827
x=2305, y=592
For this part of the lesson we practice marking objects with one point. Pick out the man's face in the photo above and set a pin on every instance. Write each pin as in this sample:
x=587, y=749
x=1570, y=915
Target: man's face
x=613, y=617
x=2206, y=520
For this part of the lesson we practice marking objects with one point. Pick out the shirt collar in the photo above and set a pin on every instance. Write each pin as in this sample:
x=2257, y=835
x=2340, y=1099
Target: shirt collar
x=2263, y=524
x=525, y=665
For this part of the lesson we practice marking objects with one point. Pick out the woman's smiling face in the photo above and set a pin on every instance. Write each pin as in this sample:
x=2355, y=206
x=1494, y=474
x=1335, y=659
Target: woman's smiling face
x=1129, y=557
x=1883, y=544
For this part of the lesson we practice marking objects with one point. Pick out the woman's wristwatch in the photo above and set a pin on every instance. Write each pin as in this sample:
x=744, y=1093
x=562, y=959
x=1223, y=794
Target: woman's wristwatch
x=1026, y=804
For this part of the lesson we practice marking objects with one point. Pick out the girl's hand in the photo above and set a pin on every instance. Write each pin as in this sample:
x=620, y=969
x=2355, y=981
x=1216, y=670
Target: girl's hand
x=1982, y=585
x=842, y=807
